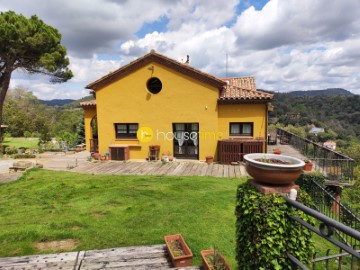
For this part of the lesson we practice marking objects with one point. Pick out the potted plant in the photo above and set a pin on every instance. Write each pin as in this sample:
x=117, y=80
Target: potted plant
x=95, y=155
x=273, y=169
x=277, y=151
x=209, y=159
x=179, y=251
x=212, y=259
x=308, y=165
x=170, y=156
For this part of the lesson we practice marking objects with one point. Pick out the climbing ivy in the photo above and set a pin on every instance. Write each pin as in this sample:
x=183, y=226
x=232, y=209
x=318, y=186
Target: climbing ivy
x=265, y=233
x=305, y=182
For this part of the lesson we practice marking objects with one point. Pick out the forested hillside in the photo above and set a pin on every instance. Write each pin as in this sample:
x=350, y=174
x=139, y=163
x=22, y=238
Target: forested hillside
x=340, y=114
x=56, y=102
x=324, y=92
x=26, y=116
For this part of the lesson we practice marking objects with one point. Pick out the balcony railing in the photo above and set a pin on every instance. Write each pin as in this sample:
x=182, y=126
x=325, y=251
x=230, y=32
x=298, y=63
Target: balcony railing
x=329, y=204
x=334, y=165
x=327, y=226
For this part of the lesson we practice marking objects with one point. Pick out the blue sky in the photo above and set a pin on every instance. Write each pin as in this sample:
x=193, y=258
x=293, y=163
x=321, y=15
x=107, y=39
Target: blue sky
x=286, y=44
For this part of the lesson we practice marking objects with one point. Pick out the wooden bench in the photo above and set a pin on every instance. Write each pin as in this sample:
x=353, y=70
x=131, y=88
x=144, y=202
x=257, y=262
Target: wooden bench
x=16, y=168
x=21, y=165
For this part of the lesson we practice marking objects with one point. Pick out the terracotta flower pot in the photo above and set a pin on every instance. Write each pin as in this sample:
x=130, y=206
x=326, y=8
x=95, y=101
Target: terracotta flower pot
x=263, y=169
x=209, y=264
x=277, y=151
x=209, y=159
x=308, y=166
x=179, y=251
x=95, y=156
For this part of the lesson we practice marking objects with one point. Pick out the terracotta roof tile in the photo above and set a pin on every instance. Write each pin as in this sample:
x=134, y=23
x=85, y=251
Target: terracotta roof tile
x=88, y=103
x=234, y=93
x=231, y=89
x=161, y=59
x=242, y=82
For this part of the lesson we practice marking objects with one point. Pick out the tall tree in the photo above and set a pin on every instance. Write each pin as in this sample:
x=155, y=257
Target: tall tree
x=31, y=45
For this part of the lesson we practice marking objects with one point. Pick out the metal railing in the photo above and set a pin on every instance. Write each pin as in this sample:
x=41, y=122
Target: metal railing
x=328, y=203
x=334, y=165
x=326, y=230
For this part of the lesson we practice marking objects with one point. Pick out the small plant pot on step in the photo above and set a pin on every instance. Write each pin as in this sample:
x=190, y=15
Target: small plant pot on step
x=277, y=151
x=209, y=159
x=308, y=166
x=95, y=155
x=213, y=262
x=179, y=251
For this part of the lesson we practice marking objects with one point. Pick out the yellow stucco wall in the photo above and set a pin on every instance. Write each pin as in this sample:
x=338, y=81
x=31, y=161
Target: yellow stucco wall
x=89, y=114
x=182, y=100
x=248, y=112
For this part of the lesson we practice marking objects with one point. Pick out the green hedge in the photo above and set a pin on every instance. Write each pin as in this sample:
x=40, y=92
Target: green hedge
x=305, y=182
x=264, y=233
x=17, y=156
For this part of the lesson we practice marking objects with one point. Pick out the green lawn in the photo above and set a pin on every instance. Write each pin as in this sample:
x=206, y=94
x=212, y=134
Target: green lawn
x=21, y=142
x=103, y=211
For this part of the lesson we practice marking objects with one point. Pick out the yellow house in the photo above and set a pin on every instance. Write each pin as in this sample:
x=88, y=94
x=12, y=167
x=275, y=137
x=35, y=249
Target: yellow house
x=156, y=105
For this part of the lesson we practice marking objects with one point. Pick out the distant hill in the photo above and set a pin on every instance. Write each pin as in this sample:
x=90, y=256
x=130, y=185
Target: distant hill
x=76, y=103
x=324, y=92
x=66, y=103
x=336, y=110
x=56, y=102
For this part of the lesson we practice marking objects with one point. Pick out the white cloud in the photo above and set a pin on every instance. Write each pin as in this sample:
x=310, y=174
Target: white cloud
x=88, y=70
x=287, y=45
x=296, y=22
x=94, y=26
x=85, y=71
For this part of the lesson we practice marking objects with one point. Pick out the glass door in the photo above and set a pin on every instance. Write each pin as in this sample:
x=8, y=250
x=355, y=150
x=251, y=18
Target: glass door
x=186, y=140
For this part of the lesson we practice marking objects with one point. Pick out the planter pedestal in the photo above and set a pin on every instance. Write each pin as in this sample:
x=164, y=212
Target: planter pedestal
x=269, y=189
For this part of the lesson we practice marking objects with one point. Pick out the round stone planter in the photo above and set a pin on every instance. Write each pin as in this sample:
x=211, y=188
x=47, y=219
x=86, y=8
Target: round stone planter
x=259, y=167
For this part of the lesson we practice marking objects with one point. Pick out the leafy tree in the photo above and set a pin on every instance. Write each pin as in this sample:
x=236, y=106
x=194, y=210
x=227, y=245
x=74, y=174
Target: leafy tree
x=81, y=131
x=300, y=131
x=30, y=45
x=70, y=139
x=68, y=120
x=327, y=135
x=21, y=112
